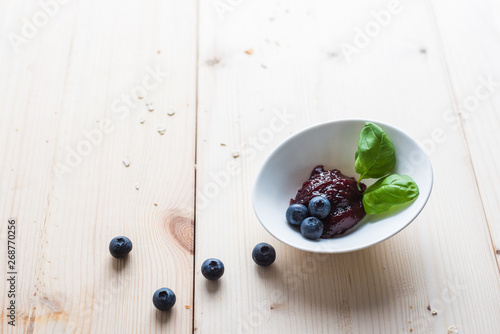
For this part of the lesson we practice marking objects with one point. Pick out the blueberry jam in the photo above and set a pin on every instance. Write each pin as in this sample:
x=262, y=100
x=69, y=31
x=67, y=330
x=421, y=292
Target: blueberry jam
x=342, y=192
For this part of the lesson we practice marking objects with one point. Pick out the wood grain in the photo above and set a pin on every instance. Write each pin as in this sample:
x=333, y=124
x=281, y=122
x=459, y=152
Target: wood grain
x=475, y=76
x=242, y=76
x=401, y=78
x=67, y=81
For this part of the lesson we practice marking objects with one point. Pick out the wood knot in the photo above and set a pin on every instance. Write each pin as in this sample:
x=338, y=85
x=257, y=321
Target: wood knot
x=54, y=304
x=276, y=306
x=182, y=230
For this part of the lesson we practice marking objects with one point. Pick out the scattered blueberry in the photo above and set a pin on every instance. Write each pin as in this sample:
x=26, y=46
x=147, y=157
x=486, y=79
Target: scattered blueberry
x=311, y=228
x=212, y=269
x=319, y=207
x=164, y=299
x=263, y=254
x=296, y=213
x=120, y=246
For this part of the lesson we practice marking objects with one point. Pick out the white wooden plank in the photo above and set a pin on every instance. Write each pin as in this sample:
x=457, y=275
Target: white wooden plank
x=65, y=81
x=297, y=64
x=471, y=52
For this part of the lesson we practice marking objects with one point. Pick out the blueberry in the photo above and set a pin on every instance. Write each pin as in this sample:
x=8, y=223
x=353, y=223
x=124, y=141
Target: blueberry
x=296, y=213
x=212, y=269
x=120, y=246
x=164, y=299
x=263, y=254
x=311, y=228
x=319, y=207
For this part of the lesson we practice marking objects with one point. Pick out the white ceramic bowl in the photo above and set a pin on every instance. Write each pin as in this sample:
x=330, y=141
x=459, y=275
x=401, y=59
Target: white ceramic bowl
x=333, y=145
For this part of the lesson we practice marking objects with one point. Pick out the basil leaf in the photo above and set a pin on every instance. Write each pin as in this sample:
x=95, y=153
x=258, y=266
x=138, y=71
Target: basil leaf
x=388, y=192
x=376, y=155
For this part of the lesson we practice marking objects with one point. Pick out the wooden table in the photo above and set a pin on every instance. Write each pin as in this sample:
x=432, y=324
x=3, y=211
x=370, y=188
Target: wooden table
x=72, y=116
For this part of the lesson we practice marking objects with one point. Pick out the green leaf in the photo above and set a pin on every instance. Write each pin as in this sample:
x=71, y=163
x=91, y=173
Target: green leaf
x=389, y=192
x=376, y=155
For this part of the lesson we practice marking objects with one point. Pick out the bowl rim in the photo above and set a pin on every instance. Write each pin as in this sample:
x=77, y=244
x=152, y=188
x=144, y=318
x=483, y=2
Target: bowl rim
x=317, y=125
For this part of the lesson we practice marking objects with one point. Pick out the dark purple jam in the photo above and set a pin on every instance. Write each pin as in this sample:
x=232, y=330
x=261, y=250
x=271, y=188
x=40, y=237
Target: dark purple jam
x=343, y=194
